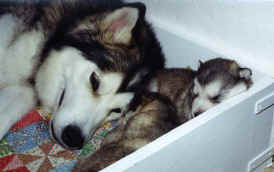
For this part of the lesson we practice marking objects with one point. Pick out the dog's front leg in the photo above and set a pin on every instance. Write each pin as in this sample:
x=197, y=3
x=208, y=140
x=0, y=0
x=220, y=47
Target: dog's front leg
x=15, y=101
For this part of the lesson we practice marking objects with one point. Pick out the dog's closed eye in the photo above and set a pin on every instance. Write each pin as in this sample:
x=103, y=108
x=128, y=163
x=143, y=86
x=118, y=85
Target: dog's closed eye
x=94, y=81
x=116, y=110
x=62, y=97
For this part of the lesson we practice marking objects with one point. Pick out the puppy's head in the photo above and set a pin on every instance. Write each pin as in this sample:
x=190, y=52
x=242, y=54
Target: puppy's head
x=217, y=80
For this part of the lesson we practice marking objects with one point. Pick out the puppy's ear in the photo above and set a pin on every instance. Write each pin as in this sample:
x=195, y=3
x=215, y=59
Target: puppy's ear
x=117, y=26
x=245, y=73
x=200, y=63
x=197, y=86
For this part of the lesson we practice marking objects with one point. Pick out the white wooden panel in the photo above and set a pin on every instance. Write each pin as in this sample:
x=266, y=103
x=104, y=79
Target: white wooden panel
x=181, y=52
x=239, y=28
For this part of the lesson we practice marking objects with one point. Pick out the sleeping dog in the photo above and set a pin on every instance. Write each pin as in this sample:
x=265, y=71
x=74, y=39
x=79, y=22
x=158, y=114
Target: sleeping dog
x=78, y=58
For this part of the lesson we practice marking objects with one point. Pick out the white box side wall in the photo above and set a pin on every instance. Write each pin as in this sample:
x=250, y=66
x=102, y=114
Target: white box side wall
x=242, y=29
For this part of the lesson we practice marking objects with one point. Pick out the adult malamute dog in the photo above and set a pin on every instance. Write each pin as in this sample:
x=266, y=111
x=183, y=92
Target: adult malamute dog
x=77, y=57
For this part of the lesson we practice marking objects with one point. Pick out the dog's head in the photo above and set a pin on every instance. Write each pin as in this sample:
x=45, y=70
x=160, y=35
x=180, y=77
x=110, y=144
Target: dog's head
x=217, y=80
x=84, y=98
x=88, y=62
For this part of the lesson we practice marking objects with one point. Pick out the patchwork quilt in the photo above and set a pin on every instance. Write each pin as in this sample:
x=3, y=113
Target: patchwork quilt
x=28, y=147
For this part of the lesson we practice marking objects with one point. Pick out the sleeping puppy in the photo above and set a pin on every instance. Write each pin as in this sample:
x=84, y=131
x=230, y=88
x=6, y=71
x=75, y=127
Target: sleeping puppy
x=194, y=92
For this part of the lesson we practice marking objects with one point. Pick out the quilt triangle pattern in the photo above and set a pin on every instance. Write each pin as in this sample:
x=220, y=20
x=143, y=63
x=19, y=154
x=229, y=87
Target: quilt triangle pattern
x=28, y=147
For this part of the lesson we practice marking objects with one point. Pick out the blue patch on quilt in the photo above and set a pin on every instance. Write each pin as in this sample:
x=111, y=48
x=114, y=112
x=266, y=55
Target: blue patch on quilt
x=66, y=167
x=28, y=137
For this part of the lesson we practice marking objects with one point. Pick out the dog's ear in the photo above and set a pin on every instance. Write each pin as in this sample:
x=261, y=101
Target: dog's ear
x=117, y=26
x=245, y=73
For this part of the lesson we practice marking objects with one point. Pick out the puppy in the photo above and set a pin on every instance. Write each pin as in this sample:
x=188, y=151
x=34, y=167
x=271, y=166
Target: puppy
x=193, y=92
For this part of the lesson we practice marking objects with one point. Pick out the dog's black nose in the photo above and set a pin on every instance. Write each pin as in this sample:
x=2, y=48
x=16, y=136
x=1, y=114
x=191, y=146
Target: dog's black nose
x=72, y=137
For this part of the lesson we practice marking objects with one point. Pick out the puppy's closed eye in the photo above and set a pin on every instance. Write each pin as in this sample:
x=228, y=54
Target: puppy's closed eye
x=215, y=99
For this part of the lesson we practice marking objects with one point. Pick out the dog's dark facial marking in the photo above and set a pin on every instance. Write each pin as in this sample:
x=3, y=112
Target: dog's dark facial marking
x=61, y=98
x=116, y=110
x=224, y=69
x=94, y=81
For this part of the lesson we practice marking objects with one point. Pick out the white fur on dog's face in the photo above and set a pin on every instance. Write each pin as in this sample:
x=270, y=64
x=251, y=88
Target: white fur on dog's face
x=213, y=93
x=81, y=105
